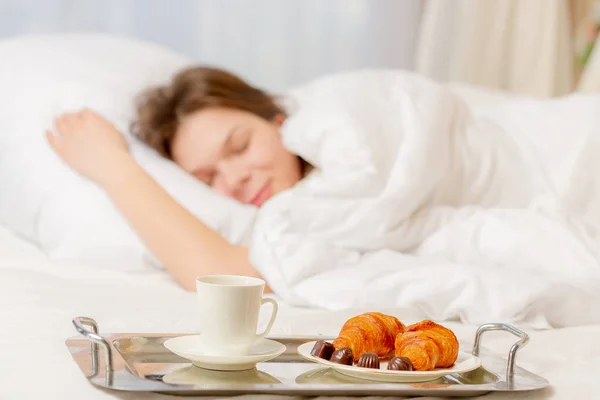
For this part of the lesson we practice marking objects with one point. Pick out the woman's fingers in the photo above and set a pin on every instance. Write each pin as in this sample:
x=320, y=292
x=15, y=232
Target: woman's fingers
x=87, y=113
x=55, y=142
x=58, y=125
x=67, y=124
x=61, y=124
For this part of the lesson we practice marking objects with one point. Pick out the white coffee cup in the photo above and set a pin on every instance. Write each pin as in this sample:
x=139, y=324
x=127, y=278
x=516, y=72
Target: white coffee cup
x=229, y=306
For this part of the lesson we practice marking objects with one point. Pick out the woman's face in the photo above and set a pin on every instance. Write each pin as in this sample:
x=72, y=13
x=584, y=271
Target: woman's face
x=237, y=153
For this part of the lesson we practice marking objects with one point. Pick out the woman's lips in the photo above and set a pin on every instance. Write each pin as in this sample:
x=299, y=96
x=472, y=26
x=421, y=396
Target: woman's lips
x=263, y=195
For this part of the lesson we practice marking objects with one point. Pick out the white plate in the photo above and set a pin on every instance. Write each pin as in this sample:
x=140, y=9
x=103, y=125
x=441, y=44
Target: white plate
x=464, y=363
x=189, y=347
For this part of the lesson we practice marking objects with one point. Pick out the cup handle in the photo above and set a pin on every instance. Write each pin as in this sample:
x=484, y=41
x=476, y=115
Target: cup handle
x=273, y=315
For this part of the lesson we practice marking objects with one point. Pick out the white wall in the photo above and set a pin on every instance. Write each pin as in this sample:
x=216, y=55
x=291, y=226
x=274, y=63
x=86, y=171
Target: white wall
x=274, y=43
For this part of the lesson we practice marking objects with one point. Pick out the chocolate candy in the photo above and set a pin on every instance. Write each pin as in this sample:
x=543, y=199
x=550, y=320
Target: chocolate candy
x=322, y=349
x=368, y=360
x=400, y=364
x=342, y=356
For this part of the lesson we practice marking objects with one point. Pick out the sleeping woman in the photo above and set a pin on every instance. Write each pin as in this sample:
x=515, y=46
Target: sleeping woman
x=216, y=127
x=391, y=191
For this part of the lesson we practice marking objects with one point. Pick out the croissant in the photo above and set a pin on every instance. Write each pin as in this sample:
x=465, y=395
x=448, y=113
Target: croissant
x=369, y=332
x=427, y=345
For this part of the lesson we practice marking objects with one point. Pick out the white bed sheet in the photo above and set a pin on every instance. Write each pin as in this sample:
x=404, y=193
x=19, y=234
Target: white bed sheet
x=39, y=299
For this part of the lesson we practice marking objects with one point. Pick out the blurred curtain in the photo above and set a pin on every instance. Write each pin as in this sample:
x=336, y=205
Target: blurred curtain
x=274, y=43
x=590, y=77
x=521, y=46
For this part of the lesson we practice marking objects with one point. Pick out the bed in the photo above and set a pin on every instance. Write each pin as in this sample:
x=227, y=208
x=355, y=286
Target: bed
x=87, y=263
x=41, y=298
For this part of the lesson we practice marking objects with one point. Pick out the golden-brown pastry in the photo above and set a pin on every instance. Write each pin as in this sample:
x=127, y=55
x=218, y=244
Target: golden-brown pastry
x=370, y=332
x=427, y=345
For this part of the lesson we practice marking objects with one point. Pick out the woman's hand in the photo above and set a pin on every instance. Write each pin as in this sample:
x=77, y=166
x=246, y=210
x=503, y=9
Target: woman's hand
x=91, y=145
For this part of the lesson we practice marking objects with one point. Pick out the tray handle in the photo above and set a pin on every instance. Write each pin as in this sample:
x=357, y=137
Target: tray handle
x=512, y=354
x=81, y=323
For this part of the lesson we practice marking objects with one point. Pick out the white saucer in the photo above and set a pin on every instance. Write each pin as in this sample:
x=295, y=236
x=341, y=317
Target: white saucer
x=189, y=347
x=192, y=375
x=464, y=363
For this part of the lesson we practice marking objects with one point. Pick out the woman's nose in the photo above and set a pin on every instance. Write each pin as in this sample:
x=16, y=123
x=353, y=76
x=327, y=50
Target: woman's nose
x=234, y=176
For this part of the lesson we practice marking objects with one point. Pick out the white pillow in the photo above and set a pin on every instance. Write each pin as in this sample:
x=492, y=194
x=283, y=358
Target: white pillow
x=41, y=198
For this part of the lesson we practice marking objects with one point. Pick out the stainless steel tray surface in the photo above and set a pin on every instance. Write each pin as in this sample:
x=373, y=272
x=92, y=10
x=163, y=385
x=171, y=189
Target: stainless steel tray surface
x=140, y=362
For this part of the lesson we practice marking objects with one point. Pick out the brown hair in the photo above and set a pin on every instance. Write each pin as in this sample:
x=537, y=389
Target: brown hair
x=161, y=109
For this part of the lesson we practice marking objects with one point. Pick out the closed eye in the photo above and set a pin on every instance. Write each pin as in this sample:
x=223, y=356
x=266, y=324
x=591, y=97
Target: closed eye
x=244, y=146
x=242, y=143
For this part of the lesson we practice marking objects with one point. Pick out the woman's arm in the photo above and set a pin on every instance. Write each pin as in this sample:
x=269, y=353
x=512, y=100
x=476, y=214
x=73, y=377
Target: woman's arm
x=185, y=246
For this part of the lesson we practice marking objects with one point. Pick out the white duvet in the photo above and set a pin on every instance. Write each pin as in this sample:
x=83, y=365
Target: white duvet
x=421, y=201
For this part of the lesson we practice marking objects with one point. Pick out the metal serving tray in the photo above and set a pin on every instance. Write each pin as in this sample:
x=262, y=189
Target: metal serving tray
x=140, y=363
